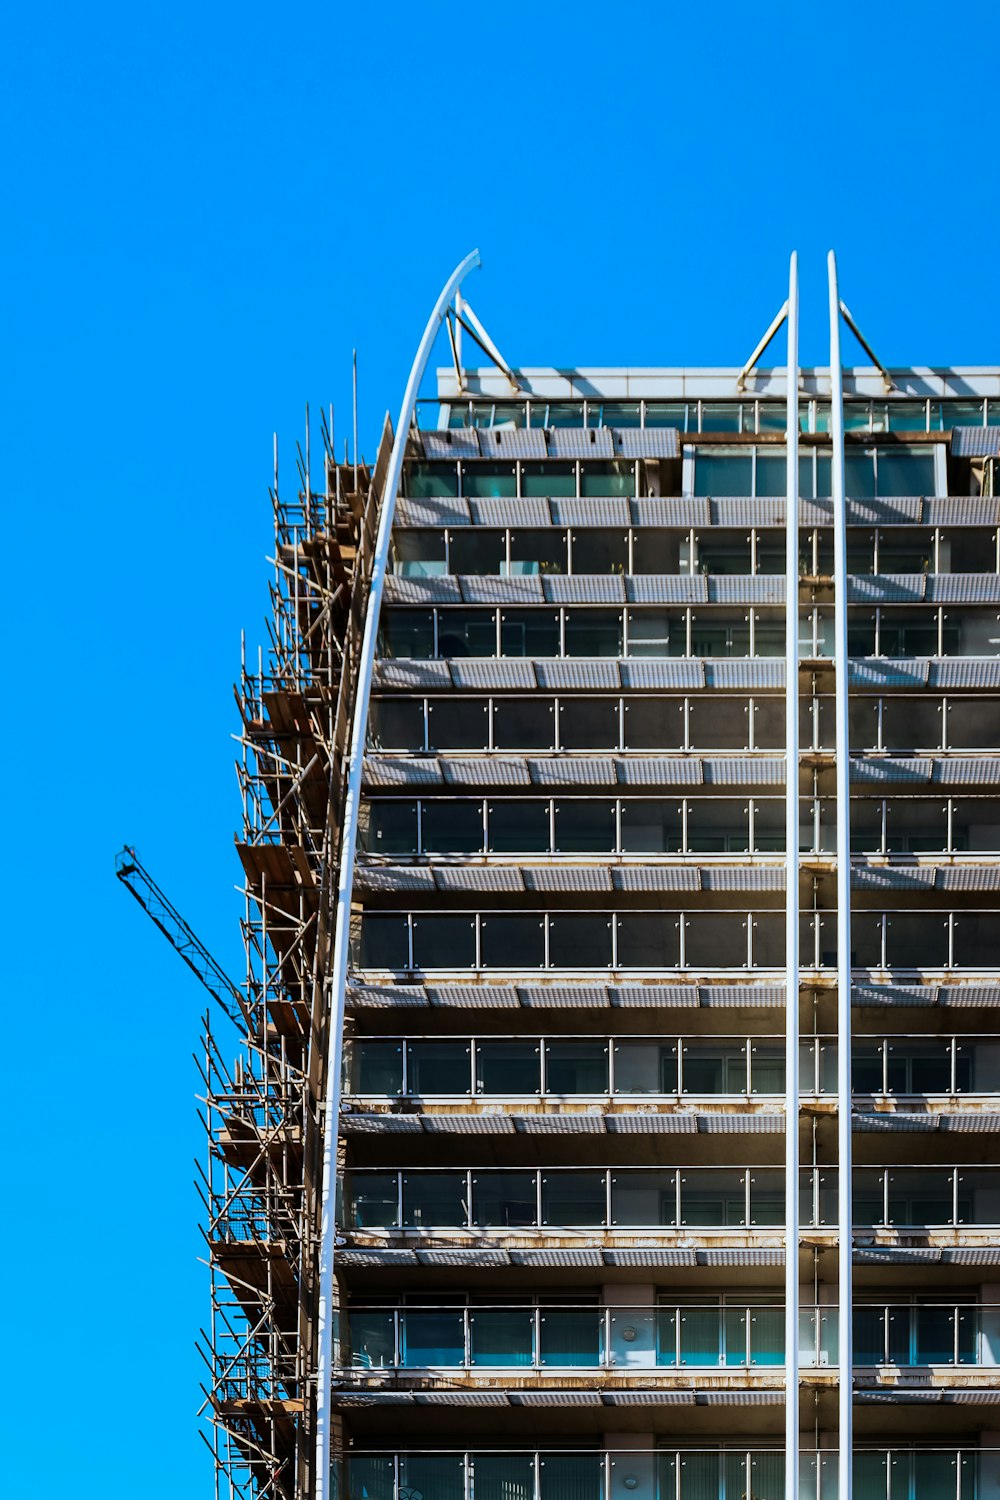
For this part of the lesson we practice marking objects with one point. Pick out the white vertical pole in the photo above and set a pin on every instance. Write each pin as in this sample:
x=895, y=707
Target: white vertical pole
x=845, y=1373
x=337, y=979
x=792, y=891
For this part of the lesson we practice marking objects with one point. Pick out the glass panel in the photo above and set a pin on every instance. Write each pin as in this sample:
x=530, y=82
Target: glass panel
x=385, y=942
x=432, y=1199
x=714, y=1198
x=718, y=550
x=902, y=550
x=911, y=723
x=576, y=1067
x=538, y=551
x=501, y=1336
x=580, y=942
x=597, y=550
x=512, y=942
x=519, y=827
x=715, y=940
x=476, y=550
x=771, y=473
x=458, y=724
x=916, y=940
x=397, y=724
x=508, y=1067
x=654, y=723
x=906, y=632
x=373, y=1199
x=977, y=941
x=529, y=632
x=426, y=481
x=549, y=479
x=570, y=1336
x=722, y=633
x=915, y=825
x=502, y=1476
x=723, y=473
x=904, y=471
x=482, y=481
x=648, y=940
x=418, y=554
x=436, y=1476
x=570, y=1476
x=657, y=633
x=588, y=723
x=407, y=634
x=504, y=1200
x=718, y=825
x=920, y=1197
x=585, y=826
x=714, y=1067
x=655, y=550
x=651, y=827
x=645, y=1067
x=647, y=1199
x=767, y=1073
x=767, y=1198
x=524, y=724
x=371, y=1476
x=376, y=1067
x=444, y=942
x=767, y=1335
x=594, y=632
x=438, y=1067
x=976, y=825
x=968, y=549
x=573, y=1198
x=859, y=475
x=388, y=828
x=452, y=827
x=432, y=1338
x=978, y=1196
x=467, y=632
x=720, y=723
x=701, y=1337
x=722, y=416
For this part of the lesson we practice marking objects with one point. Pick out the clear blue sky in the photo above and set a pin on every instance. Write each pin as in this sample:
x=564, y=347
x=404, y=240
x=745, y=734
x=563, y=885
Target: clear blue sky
x=206, y=207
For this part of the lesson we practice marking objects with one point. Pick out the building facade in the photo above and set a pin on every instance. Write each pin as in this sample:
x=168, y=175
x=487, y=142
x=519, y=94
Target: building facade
x=564, y=1263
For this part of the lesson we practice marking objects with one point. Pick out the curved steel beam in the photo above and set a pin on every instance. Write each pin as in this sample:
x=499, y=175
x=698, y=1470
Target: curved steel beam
x=792, y=890
x=845, y=1238
x=349, y=835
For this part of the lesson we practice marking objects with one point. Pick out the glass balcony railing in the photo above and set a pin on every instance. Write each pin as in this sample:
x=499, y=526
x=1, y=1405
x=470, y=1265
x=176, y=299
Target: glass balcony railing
x=553, y=1336
x=637, y=1199
x=906, y=1473
x=564, y=1067
x=653, y=941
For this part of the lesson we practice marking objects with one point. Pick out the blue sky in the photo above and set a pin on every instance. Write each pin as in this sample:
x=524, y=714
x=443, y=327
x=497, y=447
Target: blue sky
x=206, y=208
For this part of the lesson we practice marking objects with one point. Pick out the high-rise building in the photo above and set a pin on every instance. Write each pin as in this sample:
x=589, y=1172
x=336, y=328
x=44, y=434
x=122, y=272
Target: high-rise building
x=615, y=1008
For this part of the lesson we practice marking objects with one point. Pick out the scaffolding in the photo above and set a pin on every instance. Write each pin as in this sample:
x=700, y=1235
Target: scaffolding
x=263, y=1112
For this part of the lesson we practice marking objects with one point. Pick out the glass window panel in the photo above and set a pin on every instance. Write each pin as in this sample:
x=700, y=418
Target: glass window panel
x=719, y=723
x=859, y=474
x=580, y=941
x=911, y=723
x=588, y=723
x=482, y=481
x=385, y=942
x=971, y=632
x=418, y=554
x=518, y=827
x=916, y=825
x=715, y=940
x=564, y=414
x=477, y=550
x=371, y=1338
x=718, y=550
x=436, y=1476
x=570, y=1476
x=585, y=827
x=769, y=725
x=538, y=551
x=768, y=825
x=648, y=940
x=503, y=1476
x=373, y=1199
x=646, y=1199
x=573, y=1198
x=902, y=549
x=407, y=634
x=714, y=1067
x=907, y=633
x=615, y=414
x=977, y=941
x=389, y=828
x=767, y=1070
x=654, y=723
x=557, y=480
x=458, y=724
x=657, y=633
x=978, y=1196
x=916, y=940
x=570, y=1336
x=771, y=473
x=866, y=825
x=467, y=632
x=860, y=550
x=907, y=416
x=508, y=1067
x=503, y=1200
x=616, y=479
x=767, y=1197
x=921, y=1196
x=720, y=633
x=396, y=724
x=512, y=941
x=715, y=1197
x=655, y=550
x=599, y=550
x=860, y=632
x=722, y=416
x=904, y=471
x=524, y=724
x=652, y=827
x=444, y=942
x=669, y=414
x=594, y=632
x=426, y=481
x=432, y=1338
x=973, y=723
x=529, y=632
x=376, y=1067
x=371, y=1476
x=452, y=827
x=576, y=1067
x=439, y=1067
x=501, y=1336
x=723, y=473
x=770, y=553
x=645, y=1067
x=769, y=634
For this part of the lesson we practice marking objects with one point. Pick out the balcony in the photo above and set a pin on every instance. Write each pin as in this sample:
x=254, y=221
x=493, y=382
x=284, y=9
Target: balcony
x=660, y=1474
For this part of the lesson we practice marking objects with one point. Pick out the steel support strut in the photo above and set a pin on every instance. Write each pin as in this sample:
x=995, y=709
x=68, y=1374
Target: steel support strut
x=845, y=1357
x=792, y=891
x=349, y=835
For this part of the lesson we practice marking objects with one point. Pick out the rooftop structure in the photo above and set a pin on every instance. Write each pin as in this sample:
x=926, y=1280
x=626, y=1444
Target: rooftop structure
x=618, y=1107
